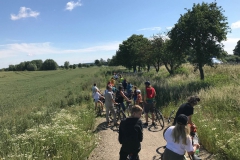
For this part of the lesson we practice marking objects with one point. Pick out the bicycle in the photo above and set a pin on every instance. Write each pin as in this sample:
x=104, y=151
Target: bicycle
x=120, y=115
x=158, y=117
x=99, y=109
x=171, y=117
x=159, y=120
x=128, y=108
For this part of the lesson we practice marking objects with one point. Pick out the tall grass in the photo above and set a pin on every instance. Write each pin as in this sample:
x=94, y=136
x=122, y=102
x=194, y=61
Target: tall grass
x=217, y=115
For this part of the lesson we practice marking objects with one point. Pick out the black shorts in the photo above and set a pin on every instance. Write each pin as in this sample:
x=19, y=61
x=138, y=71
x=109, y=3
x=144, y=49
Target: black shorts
x=148, y=107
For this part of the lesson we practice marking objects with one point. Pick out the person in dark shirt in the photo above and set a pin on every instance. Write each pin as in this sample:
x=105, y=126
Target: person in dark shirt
x=187, y=109
x=130, y=134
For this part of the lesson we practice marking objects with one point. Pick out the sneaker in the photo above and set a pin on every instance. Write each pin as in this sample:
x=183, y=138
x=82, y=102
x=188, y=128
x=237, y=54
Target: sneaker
x=145, y=124
x=153, y=123
x=195, y=157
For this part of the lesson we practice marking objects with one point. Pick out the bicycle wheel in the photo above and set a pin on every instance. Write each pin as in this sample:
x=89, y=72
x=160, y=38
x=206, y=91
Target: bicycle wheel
x=159, y=118
x=171, y=117
x=122, y=115
x=129, y=107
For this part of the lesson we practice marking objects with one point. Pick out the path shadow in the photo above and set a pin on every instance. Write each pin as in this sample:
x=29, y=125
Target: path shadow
x=100, y=127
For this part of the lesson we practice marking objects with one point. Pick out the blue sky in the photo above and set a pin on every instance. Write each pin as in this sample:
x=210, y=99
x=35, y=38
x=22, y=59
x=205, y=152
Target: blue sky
x=81, y=31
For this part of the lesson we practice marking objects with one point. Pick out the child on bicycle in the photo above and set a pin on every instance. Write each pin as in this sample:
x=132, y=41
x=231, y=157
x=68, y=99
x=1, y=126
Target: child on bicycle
x=130, y=134
x=97, y=97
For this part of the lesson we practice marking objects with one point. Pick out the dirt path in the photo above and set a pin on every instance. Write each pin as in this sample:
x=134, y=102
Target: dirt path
x=109, y=147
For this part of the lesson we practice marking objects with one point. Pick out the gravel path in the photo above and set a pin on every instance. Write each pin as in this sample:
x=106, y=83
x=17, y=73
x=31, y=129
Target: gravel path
x=109, y=147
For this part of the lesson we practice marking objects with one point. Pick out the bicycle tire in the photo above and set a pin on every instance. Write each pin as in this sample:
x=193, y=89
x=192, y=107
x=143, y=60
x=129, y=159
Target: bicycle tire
x=129, y=107
x=159, y=118
x=171, y=117
x=122, y=115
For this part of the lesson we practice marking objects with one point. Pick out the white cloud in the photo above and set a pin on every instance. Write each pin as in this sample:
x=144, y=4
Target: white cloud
x=235, y=25
x=24, y=13
x=35, y=49
x=230, y=44
x=71, y=5
x=152, y=29
x=169, y=28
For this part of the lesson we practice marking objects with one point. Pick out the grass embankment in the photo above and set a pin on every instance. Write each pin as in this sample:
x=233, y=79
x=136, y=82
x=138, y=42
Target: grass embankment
x=47, y=114
x=217, y=115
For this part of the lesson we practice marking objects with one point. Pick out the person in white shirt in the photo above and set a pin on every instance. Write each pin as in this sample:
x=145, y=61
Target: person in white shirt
x=94, y=89
x=97, y=97
x=178, y=140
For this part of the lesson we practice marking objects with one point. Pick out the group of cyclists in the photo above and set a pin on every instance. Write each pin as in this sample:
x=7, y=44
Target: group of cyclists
x=178, y=136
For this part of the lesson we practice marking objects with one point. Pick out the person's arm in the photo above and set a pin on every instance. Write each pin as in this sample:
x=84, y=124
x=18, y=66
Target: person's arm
x=195, y=147
x=191, y=149
x=124, y=97
x=190, y=120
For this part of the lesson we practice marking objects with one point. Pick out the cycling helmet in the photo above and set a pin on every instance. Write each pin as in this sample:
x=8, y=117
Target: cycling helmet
x=138, y=91
x=147, y=83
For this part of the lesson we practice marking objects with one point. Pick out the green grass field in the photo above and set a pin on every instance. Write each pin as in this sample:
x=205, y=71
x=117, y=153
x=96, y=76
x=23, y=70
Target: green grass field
x=50, y=114
x=36, y=120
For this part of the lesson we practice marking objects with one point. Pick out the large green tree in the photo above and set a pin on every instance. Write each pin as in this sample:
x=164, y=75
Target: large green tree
x=49, y=64
x=202, y=29
x=236, y=51
x=172, y=58
x=132, y=52
x=157, y=51
x=66, y=64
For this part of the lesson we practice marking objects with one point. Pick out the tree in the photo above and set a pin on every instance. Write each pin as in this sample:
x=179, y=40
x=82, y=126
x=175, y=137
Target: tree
x=132, y=52
x=157, y=53
x=20, y=67
x=172, y=57
x=97, y=62
x=49, y=64
x=32, y=67
x=66, y=65
x=201, y=30
x=38, y=63
x=236, y=51
x=11, y=68
x=79, y=65
x=74, y=66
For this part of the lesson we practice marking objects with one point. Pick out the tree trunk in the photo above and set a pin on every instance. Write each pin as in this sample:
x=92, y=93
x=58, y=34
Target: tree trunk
x=138, y=68
x=148, y=68
x=201, y=72
x=168, y=69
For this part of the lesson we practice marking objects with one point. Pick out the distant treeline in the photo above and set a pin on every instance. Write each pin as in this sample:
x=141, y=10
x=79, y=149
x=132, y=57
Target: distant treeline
x=38, y=65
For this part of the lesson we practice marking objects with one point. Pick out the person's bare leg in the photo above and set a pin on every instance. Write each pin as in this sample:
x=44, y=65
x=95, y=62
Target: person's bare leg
x=153, y=117
x=95, y=106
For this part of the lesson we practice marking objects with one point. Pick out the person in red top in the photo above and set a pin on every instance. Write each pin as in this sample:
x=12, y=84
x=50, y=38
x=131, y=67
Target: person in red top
x=149, y=101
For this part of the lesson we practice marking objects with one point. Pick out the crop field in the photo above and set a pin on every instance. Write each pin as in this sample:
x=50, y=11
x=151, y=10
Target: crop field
x=47, y=114
x=50, y=114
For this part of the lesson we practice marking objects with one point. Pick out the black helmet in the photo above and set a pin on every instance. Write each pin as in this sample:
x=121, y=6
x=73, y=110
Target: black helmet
x=147, y=83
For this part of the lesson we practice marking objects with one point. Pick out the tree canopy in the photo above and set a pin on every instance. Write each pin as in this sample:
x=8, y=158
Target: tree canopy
x=49, y=64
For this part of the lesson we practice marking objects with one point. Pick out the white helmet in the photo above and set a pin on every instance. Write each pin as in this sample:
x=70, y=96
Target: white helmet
x=138, y=91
